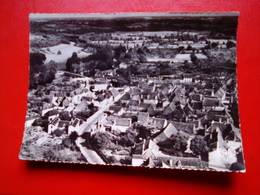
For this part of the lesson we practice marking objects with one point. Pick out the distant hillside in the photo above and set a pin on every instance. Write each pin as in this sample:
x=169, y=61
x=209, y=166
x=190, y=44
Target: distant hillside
x=217, y=25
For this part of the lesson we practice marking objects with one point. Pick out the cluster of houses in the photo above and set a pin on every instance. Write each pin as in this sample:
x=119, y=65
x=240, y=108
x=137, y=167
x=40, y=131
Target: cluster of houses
x=172, y=105
x=73, y=96
x=183, y=108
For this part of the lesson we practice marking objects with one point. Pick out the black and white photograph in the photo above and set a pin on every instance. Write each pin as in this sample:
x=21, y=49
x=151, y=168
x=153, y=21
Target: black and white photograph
x=155, y=90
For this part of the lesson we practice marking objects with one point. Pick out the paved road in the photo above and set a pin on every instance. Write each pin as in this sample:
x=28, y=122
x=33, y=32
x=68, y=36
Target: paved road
x=87, y=150
x=91, y=156
x=86, y=127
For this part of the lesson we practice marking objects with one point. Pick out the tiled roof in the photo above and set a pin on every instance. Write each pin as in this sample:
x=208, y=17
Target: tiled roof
x=136, y=91
x=63, y=123
x=138, y=149
x=75, y=122
x=115, y=108
x=81, y=107
x=123, y=122
x=144, y=105
x=52, y=112
x=126, y=96
x=114, y=92
x=185, y=127
x=134, y=102
x=159, y=122
x=196, y=97
x=55, y=121
x=211, y=102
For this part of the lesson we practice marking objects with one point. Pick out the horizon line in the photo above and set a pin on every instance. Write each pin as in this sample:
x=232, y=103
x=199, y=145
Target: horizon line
x=148, y=15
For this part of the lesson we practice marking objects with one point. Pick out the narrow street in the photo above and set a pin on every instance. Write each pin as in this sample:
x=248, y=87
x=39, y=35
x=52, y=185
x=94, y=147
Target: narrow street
x=86, y=127
x=91, y=156
x=87, y=150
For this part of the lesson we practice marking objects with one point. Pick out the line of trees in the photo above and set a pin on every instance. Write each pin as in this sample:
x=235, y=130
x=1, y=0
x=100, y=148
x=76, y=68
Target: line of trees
x=40, y=74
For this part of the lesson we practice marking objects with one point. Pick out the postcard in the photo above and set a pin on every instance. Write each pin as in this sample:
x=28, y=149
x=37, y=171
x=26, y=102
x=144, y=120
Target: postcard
x=155, y=90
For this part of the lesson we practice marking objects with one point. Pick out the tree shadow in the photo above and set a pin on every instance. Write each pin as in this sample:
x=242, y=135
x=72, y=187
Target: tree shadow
x=213, y=178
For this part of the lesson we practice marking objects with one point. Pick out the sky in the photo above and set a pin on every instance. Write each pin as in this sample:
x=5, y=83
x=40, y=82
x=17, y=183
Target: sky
x=35, y=16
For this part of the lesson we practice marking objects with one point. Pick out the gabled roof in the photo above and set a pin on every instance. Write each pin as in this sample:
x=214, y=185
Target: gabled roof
x=81, y=107
x=63, y=123
x=197, y=105
x=143, y=115
x=75, y=122
x=148, y=88
x=161, y=96
x=133, y=102
x=169, y=109
x=188, y=109
x=52, y=112
x=221, y=92
x=114, y=92
x=101, y=97
x=185, y=127
x=78, y=91
x=216, y=125
x=128, y=114
x=226, y=129
x=89, y=94
x=115, y=108
x=215, y=115
x=170, y=130
x=136, y=91
x=126, y=96
x=123, y=122
x=144, y=105
x=150, y=149
x=195, y=96
x=211, y=102
x=138, y=150
x=136, y=97
x=159, y=122
x=55, y=121
x=152, y=95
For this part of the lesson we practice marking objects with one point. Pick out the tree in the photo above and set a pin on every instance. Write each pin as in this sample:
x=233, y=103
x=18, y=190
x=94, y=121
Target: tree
x=230, y=44
x=40, y=74
x=214, y=45
x=52, y=64
x=65, y=116
x=194, y=58
x=179, y=142
x=127, y=139
x=73, y=136
x=102, y=59
x=199, y=145
x=118, y=50
x=83, y=115
x=37, y=58
x=102, y=140
x=180, y=49
x=72, y=60
x=189, y=47
x=236, y=166
x=142, y=58
x=142, y=131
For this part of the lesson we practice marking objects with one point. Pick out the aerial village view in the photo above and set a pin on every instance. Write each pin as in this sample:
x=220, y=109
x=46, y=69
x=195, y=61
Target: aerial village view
x=146, y=90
